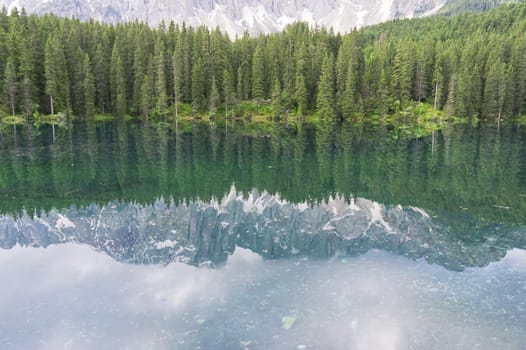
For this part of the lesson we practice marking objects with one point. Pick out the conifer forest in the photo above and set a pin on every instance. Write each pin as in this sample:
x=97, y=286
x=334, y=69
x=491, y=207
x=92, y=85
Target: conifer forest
x=471, y=65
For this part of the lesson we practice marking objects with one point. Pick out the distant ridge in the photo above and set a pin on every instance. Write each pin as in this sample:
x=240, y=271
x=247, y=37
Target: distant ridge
x=236, y=16
x=456, y=7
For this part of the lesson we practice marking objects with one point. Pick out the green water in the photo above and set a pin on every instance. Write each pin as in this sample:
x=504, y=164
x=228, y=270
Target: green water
x=462, y=171
x=136, y=235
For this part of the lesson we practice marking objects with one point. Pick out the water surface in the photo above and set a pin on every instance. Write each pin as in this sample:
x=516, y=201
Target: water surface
x=137, y=236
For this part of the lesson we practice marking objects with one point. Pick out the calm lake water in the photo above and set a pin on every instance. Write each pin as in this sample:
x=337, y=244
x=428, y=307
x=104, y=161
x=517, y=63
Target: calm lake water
x=143, y=236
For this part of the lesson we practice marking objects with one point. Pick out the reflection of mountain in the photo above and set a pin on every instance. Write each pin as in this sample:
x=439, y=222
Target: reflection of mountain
x=471, y=181
x=206, y=233
x=462, y=172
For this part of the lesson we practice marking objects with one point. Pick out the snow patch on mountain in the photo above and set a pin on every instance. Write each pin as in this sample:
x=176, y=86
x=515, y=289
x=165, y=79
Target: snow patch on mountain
x=236, y=16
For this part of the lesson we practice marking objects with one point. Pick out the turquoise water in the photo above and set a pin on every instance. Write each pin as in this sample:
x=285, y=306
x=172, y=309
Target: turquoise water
x=144, y=236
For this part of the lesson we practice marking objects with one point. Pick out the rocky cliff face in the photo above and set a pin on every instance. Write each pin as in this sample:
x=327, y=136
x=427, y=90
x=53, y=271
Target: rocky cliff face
x=200, y=233
x=236, y=16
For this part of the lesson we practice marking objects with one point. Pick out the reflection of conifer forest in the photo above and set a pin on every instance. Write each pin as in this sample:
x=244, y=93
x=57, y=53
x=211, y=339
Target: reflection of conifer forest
x=469, y=65
x=462, y=170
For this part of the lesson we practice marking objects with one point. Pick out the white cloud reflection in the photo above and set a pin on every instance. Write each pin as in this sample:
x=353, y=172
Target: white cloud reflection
x=72, y=297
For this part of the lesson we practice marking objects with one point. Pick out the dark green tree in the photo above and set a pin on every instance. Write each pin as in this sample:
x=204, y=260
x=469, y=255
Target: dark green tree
x=325, y=99
x=89, y=88
x=228, y=91
x=259, y=73
x=11, y=84
x=214, y=98
x=198, y=87
x=276, y=99
x=495, y=90
x=57, y=87
x=160, y=77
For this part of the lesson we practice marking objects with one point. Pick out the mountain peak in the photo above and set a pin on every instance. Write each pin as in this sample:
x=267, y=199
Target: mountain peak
x=236, y=16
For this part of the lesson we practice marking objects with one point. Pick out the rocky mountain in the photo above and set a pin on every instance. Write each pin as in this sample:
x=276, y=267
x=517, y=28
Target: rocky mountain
x=206, y=233
x=236, y=16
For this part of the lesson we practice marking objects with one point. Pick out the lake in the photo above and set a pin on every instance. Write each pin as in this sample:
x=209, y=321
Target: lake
x=136, y=235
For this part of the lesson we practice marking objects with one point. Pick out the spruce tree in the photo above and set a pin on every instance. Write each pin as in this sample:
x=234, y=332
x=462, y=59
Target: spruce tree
x=276, y=99
x=101, y=73
x=403, y=72
x=301, y=93
x=228, y=91
x=178, y=78
x=495, y=91
x=518, y=61
x=160, y=77
x=259, y=73
x=383, y=95
x=26, y=73
x=11, y=84
x=89, y=88
x=348, y=95
x=198, y=87
x=57, y=82
x=120, y=101
x=147, y=88
x=243, y=81
x=325, y=99
x=214, y=98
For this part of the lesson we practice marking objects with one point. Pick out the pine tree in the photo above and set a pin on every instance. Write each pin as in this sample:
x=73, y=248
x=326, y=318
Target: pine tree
x=518, y=61
x=77, y=75
x=118, y=82
x=454, y=104
x=438, y=80
x=120, y=102
x=228, y=90
x=89, y=88
x=27, y=86
x=276, y=99
x=301, y=93
x=342, y=67
x=325, y=100
x=11, y=84
x=288, y=70
x=403, y=72
x=302, y=80
x=383, y=94
x=259, y=73
x=160, y=81
x=57, y=82
x=178, y=79
x=101, y=76
x=214, y=98
x=243, y=81
x=198, y=87
x=348, y=95
x=147, y=88
x=187, y=69
x=140, y=67
x=495, y=90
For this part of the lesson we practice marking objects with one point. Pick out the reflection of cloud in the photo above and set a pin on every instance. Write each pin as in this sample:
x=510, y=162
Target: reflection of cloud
x=243, y=257
x=517, y=258
x=168, y=288
x=71, y=293
x=72, y=297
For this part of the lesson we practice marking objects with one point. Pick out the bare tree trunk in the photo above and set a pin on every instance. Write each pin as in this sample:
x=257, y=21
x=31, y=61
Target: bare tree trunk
x=12, y=99
x=175, y=102
x=51, y=103
x=432, y=143
x=436, y=95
